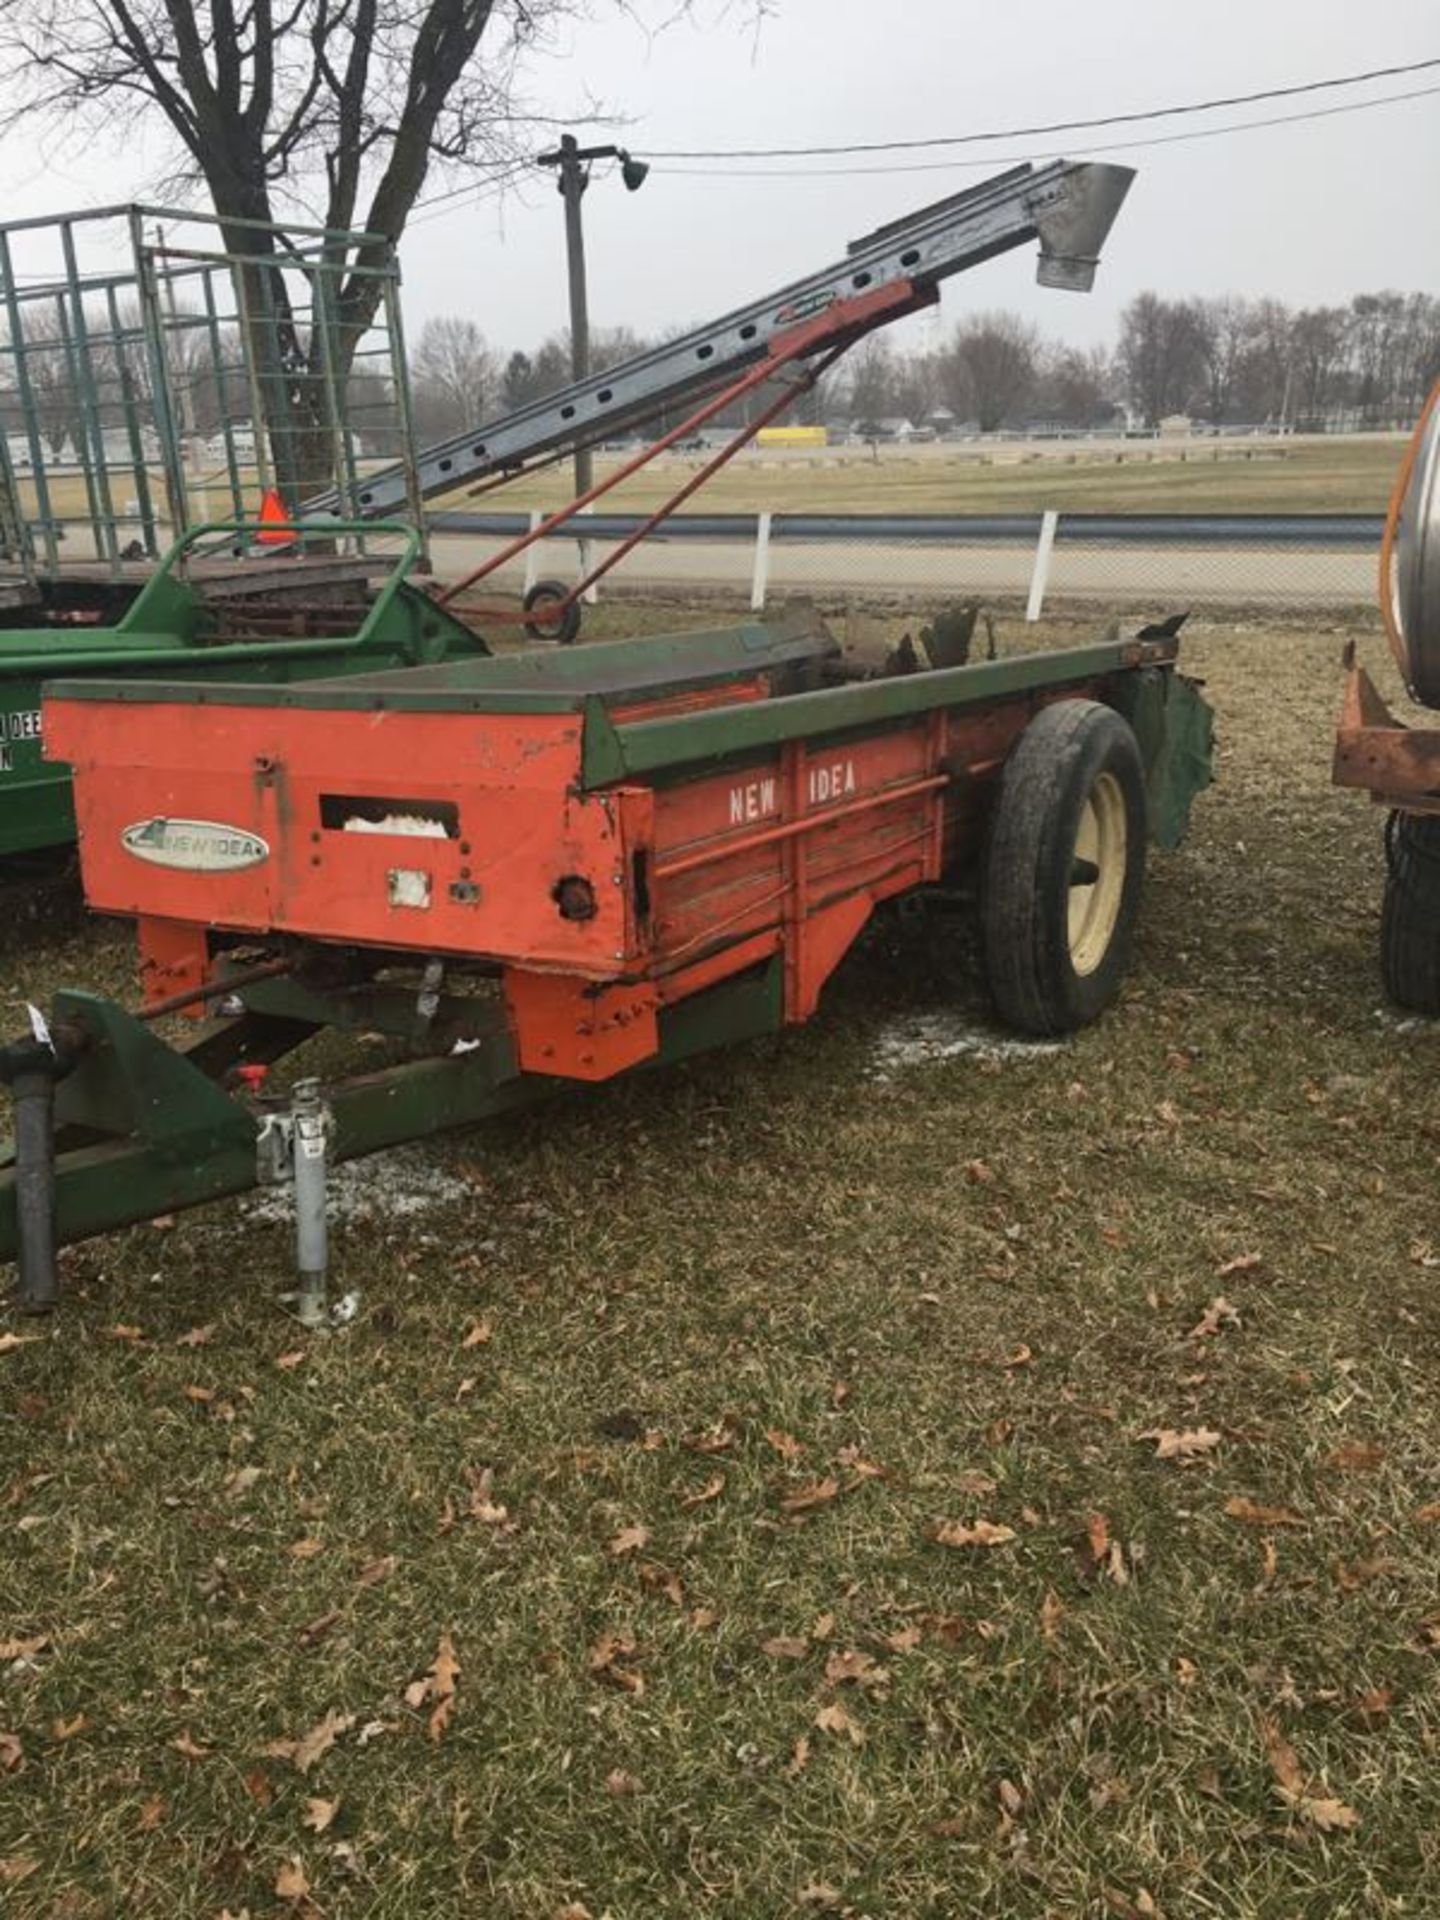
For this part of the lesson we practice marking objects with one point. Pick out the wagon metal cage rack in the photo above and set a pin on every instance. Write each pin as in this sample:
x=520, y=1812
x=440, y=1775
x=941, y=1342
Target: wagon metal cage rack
x=161, y=368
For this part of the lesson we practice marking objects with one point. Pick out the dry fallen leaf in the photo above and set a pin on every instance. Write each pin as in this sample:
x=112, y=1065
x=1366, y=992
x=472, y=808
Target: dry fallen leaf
x=820, y=1894
x=857, y=1666
x=1187, y=1444
x=1052, y=1612
x=973, y=1483
x=657, y=1579
x=704, y=1618
x=834, y=1719
x=305, y=1548
x=67, y=1729
x=319, y=1815
x=799, y=1758
x=315, y=1744
x=1427, y=1514
x=1097, y=1536
x=1372, y=1709
x=984, y=1533
x=822, y=1626
x=17, y=1867
x=611, y=1660
x=814, y=1493
x=710, y=1491
x=785, y=1444
x=151, y=1813
x=23, y=1649
x=629, y=1540
x=904, y=1639
x=287, y=1362
x=10, y=1341
x=131, y=1334
x=479, y=1335
x=291, y=1883
x=785, y=1646
x=437, y=1686
x=1242, y=1263
x=1360, y=1457
x=1220, y=1313
x=621, y=1785
x=196, y=1337
x=241, y=1481
x=12, y=1754
x=1321, y=1810
x=192, y=1750
x=1255, y=1515
x=375, y=1571
x=1012, y=1800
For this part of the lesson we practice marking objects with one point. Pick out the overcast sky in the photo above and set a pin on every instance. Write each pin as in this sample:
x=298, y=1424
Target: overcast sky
x=1311, y=212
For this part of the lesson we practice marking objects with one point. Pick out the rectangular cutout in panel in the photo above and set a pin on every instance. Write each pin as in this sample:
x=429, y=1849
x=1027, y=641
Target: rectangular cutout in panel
x=383, y=813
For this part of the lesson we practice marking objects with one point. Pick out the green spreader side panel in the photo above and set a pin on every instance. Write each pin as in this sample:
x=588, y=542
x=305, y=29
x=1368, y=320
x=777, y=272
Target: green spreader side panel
x=1175, y=727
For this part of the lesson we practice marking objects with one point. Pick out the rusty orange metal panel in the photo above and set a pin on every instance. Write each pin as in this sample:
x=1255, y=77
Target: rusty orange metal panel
x=580, y=1029
x=439, y=832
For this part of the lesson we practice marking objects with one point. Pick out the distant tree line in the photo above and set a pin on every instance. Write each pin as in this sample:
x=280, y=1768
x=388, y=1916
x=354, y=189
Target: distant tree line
x=1223, y=361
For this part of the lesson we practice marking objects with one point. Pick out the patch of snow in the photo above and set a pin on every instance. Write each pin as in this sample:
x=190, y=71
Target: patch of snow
x=398, y=1185
x=920, y=1039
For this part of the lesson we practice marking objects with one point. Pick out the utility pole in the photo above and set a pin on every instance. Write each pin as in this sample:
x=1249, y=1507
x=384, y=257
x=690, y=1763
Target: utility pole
x=574, y=179
x=572, y=162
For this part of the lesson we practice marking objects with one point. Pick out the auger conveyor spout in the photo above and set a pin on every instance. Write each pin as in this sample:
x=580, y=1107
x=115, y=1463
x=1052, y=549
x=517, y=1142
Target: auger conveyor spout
x=1067, y=206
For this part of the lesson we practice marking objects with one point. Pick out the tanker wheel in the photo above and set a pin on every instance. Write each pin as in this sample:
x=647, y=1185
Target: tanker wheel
x=1064, y=865
x=1410, y=917
x=560, y=626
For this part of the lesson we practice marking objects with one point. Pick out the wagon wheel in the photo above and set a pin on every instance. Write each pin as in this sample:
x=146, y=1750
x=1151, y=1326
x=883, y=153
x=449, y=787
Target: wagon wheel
x=1410, y=917
x=1064, y=867
x=560, y=626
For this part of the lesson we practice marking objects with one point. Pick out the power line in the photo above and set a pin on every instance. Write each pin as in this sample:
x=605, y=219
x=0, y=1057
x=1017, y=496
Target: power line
x=1021, y=159
x=1030, y=133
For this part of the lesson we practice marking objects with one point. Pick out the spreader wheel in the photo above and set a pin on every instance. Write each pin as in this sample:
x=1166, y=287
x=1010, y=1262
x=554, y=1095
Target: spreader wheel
x=1410, y=917
x=1064, y=866
x=561, y=626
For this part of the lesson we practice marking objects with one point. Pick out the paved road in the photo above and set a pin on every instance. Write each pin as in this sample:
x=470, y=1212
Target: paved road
x=1144, y=577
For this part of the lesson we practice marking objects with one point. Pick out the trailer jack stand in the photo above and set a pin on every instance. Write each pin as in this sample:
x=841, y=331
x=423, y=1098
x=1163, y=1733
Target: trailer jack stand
x=296, y=1145
x=32, y=1067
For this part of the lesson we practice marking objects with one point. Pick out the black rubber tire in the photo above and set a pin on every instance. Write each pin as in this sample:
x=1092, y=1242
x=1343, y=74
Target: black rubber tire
x=546, y=593
x=1410, y=917
x=1047, y=781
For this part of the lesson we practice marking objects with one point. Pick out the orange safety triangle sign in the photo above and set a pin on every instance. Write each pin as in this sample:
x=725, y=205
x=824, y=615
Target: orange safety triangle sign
x=274, y=522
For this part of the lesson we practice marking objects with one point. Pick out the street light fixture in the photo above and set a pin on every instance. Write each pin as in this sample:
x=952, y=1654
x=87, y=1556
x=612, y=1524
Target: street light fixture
x=573, y=164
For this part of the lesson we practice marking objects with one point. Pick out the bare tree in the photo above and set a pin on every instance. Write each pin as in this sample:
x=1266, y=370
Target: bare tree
x=267, y=104
x=453, y=374
x=1161, y=354
x=990, y=367
x=1224, y=332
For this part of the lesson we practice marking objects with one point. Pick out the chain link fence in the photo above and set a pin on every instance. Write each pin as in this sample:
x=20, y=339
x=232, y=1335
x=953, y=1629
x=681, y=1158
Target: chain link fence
x=1217, y=565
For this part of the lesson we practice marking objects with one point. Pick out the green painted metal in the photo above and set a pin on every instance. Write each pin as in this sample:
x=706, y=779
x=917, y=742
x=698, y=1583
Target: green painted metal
x=1176, y=731
x=171, y=1138
x=170, y=623
x=618, y=752
x=538, y=680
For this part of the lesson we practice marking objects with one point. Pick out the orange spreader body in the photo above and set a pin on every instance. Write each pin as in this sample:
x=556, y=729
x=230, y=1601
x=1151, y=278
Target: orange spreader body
x=473, y=834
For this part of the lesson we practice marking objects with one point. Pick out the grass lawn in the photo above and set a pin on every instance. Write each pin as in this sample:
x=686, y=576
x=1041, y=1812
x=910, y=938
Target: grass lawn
x=1294, y=476
x=1322, y=475
x=650, y=1419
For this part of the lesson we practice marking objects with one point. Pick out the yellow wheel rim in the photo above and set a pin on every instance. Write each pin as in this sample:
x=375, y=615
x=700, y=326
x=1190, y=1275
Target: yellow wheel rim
x=1097, y=867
